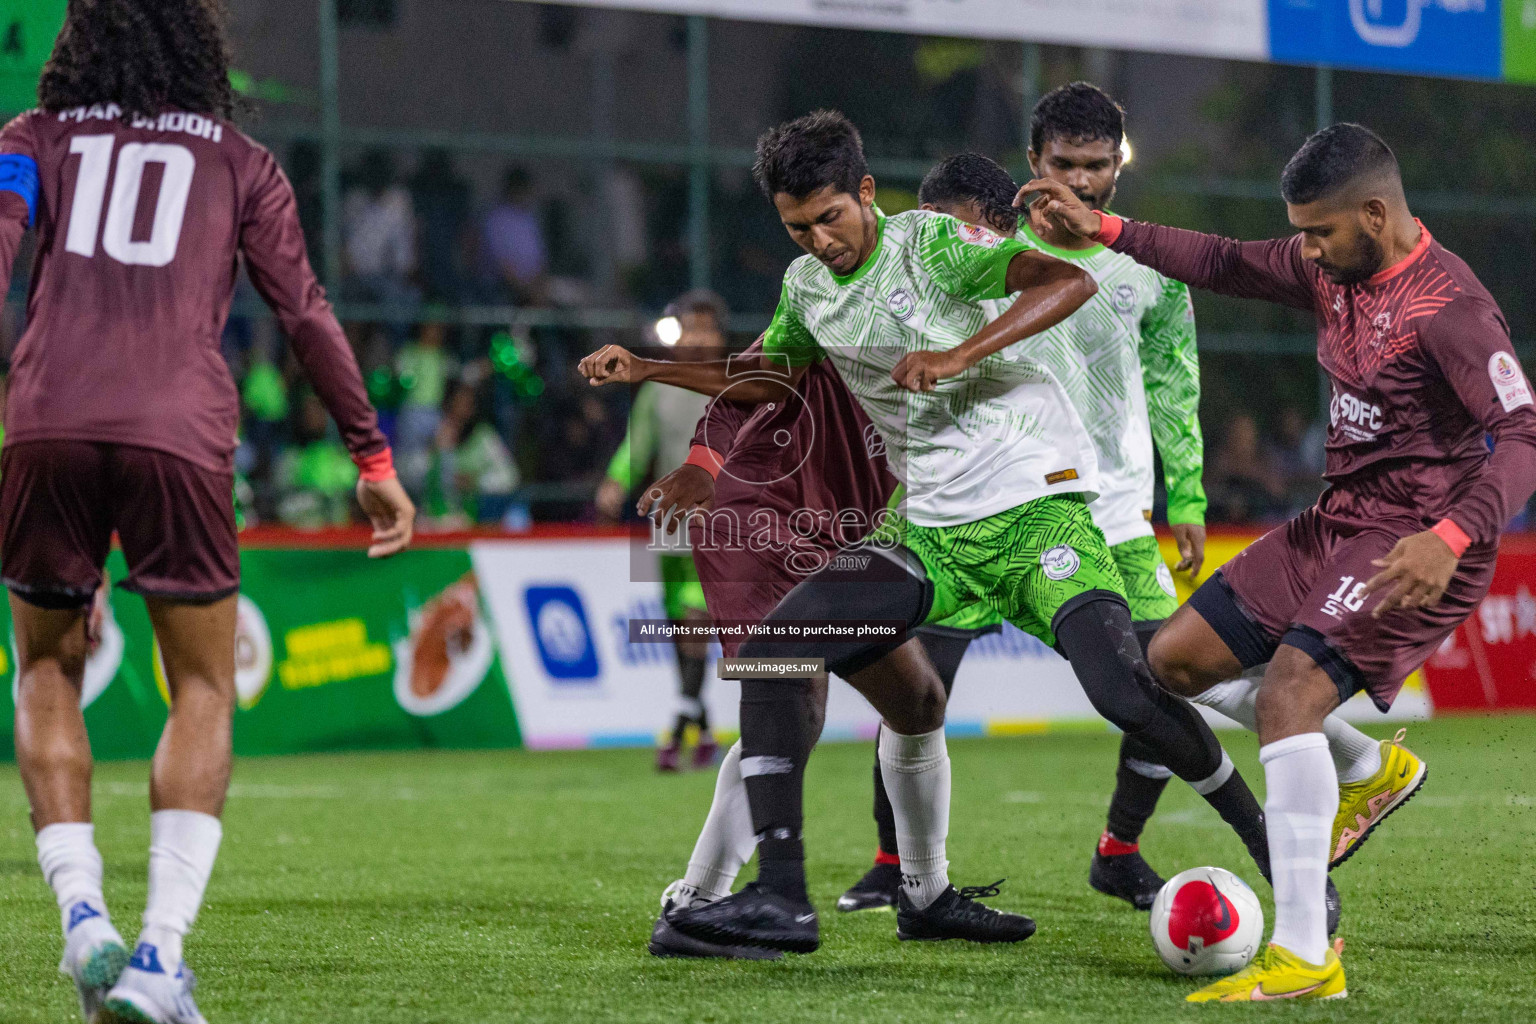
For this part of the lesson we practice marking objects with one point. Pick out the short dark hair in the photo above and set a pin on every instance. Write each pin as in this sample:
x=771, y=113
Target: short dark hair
x=808, y=154
x=702, y=300
x=1334, y=158
x=971, y=177
x=143, y=56
x=1078, y=112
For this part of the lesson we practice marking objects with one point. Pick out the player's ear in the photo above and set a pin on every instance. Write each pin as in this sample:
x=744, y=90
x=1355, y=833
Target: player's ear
x=1373, y=215
x=1034, y=162
x=867, y=190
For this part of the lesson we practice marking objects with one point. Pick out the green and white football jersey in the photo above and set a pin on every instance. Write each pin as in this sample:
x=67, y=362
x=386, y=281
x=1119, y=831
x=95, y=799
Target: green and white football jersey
x=1003, y=433
x=1127, y=360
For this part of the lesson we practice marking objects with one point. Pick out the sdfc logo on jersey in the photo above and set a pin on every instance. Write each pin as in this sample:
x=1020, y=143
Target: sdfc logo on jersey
x=902, y=304
x=1508, y=381
x=1060, y=562
x=974, y=234
x=874, y=444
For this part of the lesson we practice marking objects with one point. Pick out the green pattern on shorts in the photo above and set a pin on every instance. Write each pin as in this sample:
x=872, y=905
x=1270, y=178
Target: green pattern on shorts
x=1023, y=564
x=680, y=587
x=1148, y=582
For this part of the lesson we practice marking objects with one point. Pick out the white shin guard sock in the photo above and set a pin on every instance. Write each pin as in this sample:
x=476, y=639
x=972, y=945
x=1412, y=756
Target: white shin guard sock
x=71, y=865
x=917, y=781
x=182, y=848
x=726, y=842
x=1303, y=796
x=1356, y=756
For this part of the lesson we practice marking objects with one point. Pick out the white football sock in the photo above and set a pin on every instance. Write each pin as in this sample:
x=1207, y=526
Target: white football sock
x=1355, y=755
x=1303, y=796
x=182, y=848
x=917, y=780
x=726, y=842
x=71, y=865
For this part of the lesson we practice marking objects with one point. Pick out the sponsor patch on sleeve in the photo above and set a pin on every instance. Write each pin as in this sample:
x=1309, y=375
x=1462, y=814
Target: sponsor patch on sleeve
x=1508, y=381
x=973, y=234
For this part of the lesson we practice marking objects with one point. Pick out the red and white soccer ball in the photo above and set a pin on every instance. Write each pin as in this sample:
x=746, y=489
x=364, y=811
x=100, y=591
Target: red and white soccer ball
x=1206, y=921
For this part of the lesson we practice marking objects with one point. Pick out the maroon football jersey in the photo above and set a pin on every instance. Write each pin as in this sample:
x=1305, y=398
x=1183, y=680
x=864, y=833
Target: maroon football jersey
x=1421, y=369
x=800, y=480
x=141, y=227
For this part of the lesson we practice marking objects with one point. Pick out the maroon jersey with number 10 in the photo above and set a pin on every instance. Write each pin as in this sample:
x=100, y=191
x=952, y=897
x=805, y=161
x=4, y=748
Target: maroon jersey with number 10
x=142, y=224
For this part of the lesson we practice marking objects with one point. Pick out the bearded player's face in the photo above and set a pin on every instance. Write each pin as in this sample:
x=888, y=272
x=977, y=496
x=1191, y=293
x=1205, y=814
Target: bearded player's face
x=838, y=228
x=1088, y=167
x=1341, y=238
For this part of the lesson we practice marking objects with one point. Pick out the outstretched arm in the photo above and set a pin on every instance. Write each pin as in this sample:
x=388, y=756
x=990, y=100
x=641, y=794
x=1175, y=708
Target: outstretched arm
x=1170, y=371
x=1272, y=270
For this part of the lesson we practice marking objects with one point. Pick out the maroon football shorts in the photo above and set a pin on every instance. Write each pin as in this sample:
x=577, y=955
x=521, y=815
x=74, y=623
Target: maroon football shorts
x=60, y=502
x=1303, y=584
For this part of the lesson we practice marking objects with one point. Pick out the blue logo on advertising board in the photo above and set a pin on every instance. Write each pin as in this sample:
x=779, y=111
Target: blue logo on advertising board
x=1437, y=37
x=559, y=622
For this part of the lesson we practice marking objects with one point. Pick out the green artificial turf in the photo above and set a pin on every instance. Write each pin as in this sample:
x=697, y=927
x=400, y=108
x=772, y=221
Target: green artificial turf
x=474, y=887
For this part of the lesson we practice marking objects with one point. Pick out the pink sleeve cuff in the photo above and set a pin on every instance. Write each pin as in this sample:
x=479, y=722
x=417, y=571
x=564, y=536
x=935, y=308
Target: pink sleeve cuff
x=706, y=458
x=378, y=466
x=1454, y=536
x=1109, y=229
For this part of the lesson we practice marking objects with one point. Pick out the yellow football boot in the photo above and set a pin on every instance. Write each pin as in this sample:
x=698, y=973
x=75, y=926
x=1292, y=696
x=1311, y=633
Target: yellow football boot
x=1277, y=973
x=1364, y=805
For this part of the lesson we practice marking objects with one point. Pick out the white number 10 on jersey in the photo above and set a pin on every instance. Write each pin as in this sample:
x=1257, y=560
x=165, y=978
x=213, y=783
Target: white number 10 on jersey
x=122, y=210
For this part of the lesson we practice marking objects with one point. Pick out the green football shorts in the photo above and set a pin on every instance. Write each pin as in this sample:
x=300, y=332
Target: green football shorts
x=680, y=587
x=1148, y=582
x=1023, y=564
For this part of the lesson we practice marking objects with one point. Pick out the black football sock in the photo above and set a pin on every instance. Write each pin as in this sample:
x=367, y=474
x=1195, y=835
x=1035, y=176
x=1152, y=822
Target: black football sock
x=1139, y=782
x=690, y=672
x=1095, y=632
x=777, y=726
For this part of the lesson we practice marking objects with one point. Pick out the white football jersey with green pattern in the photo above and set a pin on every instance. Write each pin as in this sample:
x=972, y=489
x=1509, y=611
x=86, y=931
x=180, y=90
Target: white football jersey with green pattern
x=1003, y=433
x=1127, y=360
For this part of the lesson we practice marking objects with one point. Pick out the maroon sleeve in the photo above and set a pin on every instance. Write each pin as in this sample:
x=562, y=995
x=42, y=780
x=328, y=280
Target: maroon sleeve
x=273, y=244
x=1470, y=342
x=722, y=420
x=1272, y=270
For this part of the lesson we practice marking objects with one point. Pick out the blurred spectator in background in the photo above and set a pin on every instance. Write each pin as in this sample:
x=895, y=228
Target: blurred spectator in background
x=577, y=436
x=1299, y=466
x=379, y=237
x=442, y=200
x=264, y=394
x=472, y=476
x=424, y=368
x=514, y=249
x=317, y=476
x=303, y=169
x=1243, y=482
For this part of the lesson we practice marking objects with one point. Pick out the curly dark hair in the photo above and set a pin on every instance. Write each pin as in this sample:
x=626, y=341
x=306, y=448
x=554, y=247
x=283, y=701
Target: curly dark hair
x=808, y=154
x=1079, y=112
x=143, y=55
x=973, y=178
x=1333, y=158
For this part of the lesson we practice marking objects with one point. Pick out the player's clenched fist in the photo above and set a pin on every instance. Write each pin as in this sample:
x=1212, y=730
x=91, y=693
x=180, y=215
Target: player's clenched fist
x=920, y=371
x=670, y=500
x=1055, y=202
x=611, y=364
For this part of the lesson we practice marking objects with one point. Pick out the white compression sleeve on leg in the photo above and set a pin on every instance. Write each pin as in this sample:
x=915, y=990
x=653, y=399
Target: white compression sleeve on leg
x=1303, y=796
x=71, y=865
x=1356, y=756
x=917, y=781
x=183, y=847
x=726, y=842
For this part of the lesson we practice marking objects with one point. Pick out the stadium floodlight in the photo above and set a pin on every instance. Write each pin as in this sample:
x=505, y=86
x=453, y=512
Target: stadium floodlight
x=669, y=330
